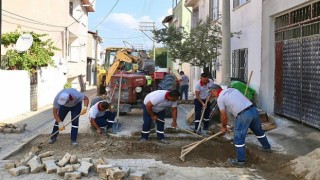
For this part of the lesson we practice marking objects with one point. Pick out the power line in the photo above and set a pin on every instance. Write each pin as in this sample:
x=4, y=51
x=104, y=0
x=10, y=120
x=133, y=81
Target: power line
x=125, y=38
x=31, y=19
x=30, y=27
x=106, y=15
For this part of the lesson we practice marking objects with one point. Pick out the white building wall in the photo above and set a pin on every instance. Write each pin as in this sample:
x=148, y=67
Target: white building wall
x=15, y=99
x=248, y=19
x=271, y=9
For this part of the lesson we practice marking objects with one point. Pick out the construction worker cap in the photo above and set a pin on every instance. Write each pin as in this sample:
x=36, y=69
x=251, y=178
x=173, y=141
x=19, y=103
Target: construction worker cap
x=63, y=98
x=215, y=87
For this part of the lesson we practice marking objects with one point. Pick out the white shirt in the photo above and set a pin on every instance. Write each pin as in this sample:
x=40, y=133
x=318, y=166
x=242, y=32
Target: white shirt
x=204, y=90
x=157, y=99
x=232, y=100
x=94, y=111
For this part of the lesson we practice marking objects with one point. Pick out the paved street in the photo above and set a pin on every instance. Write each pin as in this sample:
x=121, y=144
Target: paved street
x=41, y=121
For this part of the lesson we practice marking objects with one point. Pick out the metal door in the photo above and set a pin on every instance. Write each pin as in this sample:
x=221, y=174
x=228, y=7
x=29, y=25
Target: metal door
x=297, y=65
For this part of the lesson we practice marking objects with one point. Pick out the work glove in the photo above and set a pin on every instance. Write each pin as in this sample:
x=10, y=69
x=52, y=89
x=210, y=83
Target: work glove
x=84, y=110
x=61, y=126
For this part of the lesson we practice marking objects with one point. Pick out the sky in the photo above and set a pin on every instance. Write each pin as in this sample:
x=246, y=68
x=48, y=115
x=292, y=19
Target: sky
x=122, y=24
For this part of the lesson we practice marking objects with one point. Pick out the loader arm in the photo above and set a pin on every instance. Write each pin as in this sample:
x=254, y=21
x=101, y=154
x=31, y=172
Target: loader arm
x=119, y=60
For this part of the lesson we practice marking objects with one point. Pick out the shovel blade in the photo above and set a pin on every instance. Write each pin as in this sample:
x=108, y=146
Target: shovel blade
x=117, y=127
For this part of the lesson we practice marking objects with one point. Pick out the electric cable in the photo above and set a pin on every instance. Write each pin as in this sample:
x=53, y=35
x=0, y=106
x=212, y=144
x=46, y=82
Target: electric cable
x=106, y=16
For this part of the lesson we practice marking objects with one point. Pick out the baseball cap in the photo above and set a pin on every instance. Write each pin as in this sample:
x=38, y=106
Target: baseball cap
x=215, y=87
x=181, y=72
x=63, y=98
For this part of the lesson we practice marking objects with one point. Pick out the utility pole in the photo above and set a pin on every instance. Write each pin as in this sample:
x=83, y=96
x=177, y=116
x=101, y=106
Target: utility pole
x=149, y=26
x=96, y=59
x=0, y=32
x=226, y=43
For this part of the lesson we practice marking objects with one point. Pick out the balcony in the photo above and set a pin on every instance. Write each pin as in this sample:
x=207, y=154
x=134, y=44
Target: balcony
x=191, y=3
x=89, y=5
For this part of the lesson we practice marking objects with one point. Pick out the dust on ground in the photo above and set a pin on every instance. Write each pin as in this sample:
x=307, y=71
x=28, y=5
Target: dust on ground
x=209, y=154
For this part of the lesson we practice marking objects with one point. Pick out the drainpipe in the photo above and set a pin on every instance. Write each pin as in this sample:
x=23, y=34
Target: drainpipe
x=226, y=43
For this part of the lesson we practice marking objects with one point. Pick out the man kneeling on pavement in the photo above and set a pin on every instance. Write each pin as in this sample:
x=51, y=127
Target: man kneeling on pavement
x=100, y=117
x=154, y=106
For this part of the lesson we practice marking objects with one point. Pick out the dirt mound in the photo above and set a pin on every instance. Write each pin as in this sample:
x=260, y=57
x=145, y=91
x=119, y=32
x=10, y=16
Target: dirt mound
x=213, y=153
x=308, y=166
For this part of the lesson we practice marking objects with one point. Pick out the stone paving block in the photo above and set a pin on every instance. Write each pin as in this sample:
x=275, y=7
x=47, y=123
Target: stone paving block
x=61, y=171
x=84, y=168
x=48, y=159
x=69, y=168
x=116, y=173
x=89, y=160
x=46, y=154
x=50, y=166
x=1, y=129
x=101, y=168
x=72, y=175
x=138, y=175
x=26, y=158
x=103, y=175
x=35, y=164
x=65, y=160
x=17, y=130
x=76, y=166
x=7, y=130
x=19, y=170
x=9, y=165
x=97, y=162
x=73, y=159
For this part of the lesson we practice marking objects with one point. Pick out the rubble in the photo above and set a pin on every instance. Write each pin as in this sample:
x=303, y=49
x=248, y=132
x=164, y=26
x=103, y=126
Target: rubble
x=11, y=128
x=70, y=167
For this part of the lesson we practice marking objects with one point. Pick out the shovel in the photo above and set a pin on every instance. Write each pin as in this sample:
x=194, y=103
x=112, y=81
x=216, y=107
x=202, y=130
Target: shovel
x=38, y=147
x=116, y=126
x=181, y=129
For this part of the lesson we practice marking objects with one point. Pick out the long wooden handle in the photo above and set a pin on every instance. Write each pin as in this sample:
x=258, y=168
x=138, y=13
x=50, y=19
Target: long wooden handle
x=58, y=130
x=245, y=92
x=202, y=114
x=181, y=129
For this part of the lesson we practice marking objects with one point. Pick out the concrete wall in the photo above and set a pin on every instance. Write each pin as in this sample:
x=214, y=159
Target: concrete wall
x=14, y=93
x=271, y=9
x=248, y=19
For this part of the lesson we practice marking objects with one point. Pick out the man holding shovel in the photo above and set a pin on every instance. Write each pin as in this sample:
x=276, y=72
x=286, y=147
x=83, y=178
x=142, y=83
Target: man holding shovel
x=200, y=102
x=68, y=100
x=154, y=106
x=247, y=116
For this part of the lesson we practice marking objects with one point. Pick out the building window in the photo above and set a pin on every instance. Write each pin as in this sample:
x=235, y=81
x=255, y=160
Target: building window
x=71, y=8
x=237, y=3
x=214, y=9
x=240, y=64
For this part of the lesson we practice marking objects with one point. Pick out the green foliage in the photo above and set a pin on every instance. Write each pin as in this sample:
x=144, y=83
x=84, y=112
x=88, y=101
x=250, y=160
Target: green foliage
x=38, y=55
x=67, y=85
x=172, y=38
x=200, y=47
x=161, y=57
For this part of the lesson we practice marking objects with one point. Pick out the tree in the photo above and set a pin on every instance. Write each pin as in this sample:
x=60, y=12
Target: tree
x=38, y=55
x=161, y=57
x=199, y=47
x=172, y=38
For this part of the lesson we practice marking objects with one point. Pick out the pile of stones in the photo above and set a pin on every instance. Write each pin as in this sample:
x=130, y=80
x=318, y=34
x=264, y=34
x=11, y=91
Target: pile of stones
x=11, y=128
x=70, y=167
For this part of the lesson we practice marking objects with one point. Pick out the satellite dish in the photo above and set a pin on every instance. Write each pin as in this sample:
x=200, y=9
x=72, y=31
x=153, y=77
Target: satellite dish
x=24, y=42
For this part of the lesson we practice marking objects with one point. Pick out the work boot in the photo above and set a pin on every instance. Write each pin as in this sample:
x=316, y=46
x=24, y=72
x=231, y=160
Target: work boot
x=163, y=141
x=264, y=149
x=74, y=143
x=52, y=141
x=235, y=162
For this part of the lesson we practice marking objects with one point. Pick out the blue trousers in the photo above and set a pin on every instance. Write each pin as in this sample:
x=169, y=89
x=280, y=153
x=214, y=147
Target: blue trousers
x=62, y=112
x=184, y=90
x=106, y=120
x=249, y=119
x=197, y=114
x=147, y=124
